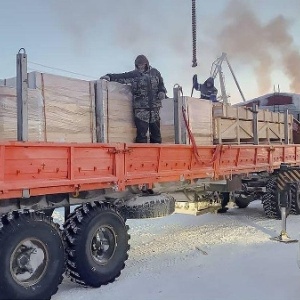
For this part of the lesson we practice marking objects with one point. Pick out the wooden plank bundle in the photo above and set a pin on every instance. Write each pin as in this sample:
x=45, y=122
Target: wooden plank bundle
x=234, y=124
x=114, y=112
x=8, y=114
x=65, y=109
x=199, y=118
x=114, y=107
x=68, y=107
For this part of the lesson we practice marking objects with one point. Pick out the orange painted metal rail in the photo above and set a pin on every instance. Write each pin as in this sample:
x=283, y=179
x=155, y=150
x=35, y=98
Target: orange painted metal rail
x=49, y=168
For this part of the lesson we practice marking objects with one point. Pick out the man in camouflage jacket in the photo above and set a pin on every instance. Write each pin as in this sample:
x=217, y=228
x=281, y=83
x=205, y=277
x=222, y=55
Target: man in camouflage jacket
x=148, y=90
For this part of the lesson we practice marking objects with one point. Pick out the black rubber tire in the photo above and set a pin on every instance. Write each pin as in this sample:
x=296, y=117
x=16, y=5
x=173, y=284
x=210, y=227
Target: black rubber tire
x=270, y=200
x=80, y=230
x=295, y=205
x=241, y=204
x=150, y=206
x=16, y=228
x=48, y=212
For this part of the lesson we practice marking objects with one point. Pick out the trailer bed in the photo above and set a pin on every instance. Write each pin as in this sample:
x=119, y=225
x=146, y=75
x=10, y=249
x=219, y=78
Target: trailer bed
x=30, y=169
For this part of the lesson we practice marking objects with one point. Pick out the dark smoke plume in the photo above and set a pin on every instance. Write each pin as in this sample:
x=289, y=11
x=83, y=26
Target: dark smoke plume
x=130, y=24
x=248, y=39
x=162, y=30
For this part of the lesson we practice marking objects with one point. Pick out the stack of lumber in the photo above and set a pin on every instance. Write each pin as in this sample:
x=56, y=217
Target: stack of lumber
x=234, y=124
x=115, y=121
x=64, y=108
x=114, y=106
x=8, y=114
x=69, y=106
x=115, y=116
x=199, y=118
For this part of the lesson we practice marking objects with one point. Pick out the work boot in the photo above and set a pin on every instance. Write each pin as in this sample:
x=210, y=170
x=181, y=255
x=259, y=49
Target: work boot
x=224, y=202
x=222, y=210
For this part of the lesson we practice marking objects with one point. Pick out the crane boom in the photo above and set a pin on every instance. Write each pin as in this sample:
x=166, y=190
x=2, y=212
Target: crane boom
x=216, y=69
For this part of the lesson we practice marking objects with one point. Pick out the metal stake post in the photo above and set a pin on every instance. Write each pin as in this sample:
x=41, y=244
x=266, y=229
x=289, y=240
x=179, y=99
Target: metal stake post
x=255, y=124
x=286, y=128
x=177, y=114
x=285, y=199
x=22, y=96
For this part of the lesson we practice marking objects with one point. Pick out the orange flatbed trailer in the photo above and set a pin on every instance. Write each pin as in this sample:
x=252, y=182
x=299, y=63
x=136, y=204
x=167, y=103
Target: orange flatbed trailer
x=49, y=168
x=93, y=244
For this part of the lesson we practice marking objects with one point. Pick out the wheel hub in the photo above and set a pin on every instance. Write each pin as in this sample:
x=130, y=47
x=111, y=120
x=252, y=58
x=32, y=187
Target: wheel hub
x=29, y=262
x=23, y=261
x=103, y=244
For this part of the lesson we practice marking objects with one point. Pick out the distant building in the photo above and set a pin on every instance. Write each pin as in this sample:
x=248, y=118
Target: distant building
x=278, y=102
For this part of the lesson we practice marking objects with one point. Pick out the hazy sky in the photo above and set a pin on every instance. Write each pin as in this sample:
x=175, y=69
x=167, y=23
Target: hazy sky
x=95, y=37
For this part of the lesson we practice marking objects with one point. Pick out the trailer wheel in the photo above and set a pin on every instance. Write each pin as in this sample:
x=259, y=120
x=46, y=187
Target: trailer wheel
x=241, y=201
x=149, y=206
x=270, y=200
x=97, y=244
x=295, y=205
x=32, y=256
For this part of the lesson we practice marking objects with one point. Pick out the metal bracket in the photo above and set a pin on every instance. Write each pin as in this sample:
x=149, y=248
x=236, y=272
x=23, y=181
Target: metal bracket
x=283, y=236
x=76, y=192
x=26, y=193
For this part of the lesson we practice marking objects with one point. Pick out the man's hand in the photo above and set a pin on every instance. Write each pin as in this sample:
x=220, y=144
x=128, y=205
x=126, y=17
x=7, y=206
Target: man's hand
x=161, y=95
x=105, y=77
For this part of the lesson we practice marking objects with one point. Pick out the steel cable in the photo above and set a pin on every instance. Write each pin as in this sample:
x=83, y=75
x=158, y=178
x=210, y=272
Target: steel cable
x=194, y=33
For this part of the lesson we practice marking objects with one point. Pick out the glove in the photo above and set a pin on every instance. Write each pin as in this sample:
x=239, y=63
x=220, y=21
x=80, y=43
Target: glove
x=161, y=95
x=195, y=82
x=105, y=77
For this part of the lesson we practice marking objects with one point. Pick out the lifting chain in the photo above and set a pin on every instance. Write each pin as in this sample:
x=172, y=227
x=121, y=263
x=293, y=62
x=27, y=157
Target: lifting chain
x=194, y=33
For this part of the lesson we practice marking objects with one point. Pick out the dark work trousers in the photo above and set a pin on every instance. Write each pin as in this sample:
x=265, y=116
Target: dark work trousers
x=142, y=129
x=225, y=199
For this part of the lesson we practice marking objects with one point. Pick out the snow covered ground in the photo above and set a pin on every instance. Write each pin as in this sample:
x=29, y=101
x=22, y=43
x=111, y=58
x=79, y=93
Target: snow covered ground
x=207, y=257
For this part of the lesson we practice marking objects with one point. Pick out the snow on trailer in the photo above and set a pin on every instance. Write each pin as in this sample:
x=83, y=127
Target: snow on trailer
x=111, y=181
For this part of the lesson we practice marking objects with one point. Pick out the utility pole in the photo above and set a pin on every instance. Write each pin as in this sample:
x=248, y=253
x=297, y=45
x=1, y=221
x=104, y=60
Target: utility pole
x=22, y=96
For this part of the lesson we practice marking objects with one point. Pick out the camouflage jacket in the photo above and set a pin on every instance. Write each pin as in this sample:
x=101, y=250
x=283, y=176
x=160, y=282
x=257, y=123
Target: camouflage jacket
x=145, y=87
x=146, y=115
